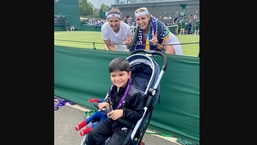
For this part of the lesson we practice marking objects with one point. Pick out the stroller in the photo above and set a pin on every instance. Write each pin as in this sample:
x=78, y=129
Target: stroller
x=146, y=77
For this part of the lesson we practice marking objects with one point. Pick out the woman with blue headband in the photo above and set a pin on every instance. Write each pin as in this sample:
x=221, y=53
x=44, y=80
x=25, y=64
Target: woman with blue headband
x=116, y=34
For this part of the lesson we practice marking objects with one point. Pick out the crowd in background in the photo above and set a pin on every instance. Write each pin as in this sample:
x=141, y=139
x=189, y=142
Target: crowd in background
x=186, y=24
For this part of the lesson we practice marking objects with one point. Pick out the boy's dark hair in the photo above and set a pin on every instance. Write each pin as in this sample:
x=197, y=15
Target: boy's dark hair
x=120, y=64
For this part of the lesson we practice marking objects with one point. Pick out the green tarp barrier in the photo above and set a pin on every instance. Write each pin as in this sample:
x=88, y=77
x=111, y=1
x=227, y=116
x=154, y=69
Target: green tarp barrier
x=69, y=9
x=80, y=74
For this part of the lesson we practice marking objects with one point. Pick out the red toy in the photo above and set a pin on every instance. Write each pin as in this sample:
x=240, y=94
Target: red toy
x=91, y=121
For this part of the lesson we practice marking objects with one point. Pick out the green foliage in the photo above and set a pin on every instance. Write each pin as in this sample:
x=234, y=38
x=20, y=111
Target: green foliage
x=93, y=39
x=85, y=8
x=105, y=8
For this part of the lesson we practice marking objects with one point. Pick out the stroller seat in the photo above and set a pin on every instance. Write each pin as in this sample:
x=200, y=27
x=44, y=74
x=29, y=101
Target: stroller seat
x=146, y=76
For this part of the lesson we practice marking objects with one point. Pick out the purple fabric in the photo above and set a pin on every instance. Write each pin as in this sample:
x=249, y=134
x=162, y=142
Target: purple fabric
x=154, y=24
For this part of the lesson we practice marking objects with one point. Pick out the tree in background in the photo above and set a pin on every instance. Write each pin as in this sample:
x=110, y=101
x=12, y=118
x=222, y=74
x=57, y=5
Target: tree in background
x=85, y=8
x=88, y=10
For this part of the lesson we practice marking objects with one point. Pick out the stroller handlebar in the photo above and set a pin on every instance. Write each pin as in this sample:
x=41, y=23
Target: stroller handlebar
x=152, y=52
x=105, y=110
x=123, y=121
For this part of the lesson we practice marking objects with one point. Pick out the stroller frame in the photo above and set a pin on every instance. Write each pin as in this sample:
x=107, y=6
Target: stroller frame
x=150, y=89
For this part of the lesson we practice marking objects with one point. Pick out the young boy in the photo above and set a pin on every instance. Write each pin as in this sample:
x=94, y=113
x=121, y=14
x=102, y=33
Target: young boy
x=124, y=100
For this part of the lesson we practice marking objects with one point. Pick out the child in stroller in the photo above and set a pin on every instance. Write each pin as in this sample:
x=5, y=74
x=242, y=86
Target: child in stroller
x=142, y=87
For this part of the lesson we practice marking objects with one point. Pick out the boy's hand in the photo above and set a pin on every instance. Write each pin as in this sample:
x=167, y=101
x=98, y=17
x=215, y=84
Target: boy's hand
x=115, y=114
x=103, y=105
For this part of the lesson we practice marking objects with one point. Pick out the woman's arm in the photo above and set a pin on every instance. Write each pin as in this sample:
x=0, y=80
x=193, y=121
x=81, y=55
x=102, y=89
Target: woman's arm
x=169, y=49
x=109, y=45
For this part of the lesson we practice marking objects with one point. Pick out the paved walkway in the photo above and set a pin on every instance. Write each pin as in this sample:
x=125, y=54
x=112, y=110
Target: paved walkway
x=68, y=116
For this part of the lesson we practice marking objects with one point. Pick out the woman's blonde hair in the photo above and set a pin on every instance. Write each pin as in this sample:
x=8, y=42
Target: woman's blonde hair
x=143, y=9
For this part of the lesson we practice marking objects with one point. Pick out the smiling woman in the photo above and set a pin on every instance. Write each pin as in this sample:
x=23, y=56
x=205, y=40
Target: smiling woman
x=152, y=34
x=116, y=34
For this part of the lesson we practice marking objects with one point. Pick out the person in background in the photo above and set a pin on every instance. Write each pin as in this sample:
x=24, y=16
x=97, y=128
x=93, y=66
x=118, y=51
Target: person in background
x=72, y=28
x=67, y=26
x=115, y=33
x=174, y=22
x=197, y=27
x=152, y=34
x=124, y=101
x=189, y=26
x=182, y=26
